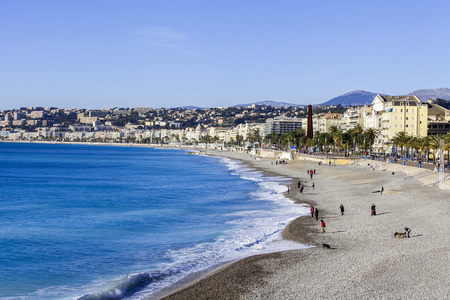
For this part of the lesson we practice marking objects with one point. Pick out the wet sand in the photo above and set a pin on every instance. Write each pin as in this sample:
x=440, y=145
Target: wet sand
x=365, y=261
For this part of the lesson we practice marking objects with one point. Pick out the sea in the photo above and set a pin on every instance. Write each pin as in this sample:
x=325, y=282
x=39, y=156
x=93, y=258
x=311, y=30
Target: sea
x=115, y=222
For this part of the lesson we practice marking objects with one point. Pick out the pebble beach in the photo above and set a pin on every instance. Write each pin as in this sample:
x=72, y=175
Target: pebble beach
x=364, y=259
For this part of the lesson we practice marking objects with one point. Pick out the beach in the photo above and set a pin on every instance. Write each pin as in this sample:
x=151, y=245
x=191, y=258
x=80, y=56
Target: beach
x=365, y=260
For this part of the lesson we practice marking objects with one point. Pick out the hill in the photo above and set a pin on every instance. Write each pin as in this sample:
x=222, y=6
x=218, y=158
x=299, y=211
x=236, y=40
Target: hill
x=354, y=98
x=441, y=93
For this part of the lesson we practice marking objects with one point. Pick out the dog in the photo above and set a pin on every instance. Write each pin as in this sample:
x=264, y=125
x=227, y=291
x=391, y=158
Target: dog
x=400, y=234
x=326, y=246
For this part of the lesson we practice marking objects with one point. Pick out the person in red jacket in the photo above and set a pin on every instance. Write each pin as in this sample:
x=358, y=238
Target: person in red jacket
x=312, y=211
x=322, y=223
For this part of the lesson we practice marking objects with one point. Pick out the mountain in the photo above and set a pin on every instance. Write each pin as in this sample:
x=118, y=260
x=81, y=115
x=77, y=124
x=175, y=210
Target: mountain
x=354, y=98
x=441, y=93
x=270, y=103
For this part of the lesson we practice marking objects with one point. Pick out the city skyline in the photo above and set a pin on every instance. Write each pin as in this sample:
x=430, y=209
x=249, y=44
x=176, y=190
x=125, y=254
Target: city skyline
x=107, y=54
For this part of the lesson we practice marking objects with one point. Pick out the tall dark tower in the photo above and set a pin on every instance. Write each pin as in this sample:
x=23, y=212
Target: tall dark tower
x=309, y=128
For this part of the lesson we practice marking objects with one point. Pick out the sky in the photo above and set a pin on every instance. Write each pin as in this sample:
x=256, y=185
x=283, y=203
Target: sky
x=165, y=53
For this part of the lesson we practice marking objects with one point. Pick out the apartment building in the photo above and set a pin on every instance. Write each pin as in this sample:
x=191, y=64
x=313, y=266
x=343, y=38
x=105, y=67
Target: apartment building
x=324, y=122
x=281, y=125
x=394, y=114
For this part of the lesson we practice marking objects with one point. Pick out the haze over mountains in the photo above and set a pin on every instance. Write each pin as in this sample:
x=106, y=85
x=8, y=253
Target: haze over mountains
x=358, y=98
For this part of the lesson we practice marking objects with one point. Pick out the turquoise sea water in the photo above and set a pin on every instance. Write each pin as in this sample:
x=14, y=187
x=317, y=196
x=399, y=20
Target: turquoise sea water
x=78, y=221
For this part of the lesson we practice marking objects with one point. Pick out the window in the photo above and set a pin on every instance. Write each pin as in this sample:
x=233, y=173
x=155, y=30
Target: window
x=401, y=110
x=407, y=110
x=412, y=118
x=412, y=110
x=395, y=126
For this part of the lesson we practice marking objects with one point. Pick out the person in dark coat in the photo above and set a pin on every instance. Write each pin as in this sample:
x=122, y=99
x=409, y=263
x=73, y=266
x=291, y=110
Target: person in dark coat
x=342, y=209
x=316, y=212
x=373, y=211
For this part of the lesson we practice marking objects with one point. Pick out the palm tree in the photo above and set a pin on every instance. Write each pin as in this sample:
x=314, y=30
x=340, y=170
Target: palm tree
x=371, y=135
x=400, y=139
x=336, y=135
x=447, y=146
x=435, y=144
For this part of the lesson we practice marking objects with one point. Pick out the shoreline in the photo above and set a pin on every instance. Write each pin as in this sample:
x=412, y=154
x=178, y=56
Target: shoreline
x=379, y=263
x=365, y=260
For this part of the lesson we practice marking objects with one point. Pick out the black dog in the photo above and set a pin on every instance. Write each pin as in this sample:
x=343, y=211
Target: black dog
x=326, y=246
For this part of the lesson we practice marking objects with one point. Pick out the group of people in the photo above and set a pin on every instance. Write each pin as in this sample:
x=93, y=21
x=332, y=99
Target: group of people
x=314, y=212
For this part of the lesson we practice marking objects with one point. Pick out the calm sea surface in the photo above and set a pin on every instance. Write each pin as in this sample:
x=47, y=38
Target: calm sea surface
x=84, y=221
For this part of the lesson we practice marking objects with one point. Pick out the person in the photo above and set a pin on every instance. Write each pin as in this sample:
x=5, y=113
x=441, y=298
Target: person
x=322, y=224
x=313, y=185
x=312, y=211
x=374, y=213
x=342, y=209
x=316, y=212
x=288, y=190
x=301, y=189
x=311, y=174
x=382, y=189
x=299, y=184
x=314, y=171
x=408, y=230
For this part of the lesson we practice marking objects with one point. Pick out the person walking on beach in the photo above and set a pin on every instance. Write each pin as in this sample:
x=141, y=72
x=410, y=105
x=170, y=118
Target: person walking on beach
x=322, y=224
x=299, y=184
x=313, y=185
x=301, y=189
x=342, y=209
x=382, y=189
x=374, y=213
x=312, y=211
x=316, y=212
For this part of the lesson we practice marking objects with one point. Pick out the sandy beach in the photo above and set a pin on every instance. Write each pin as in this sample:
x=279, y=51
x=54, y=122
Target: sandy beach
x=365, y=261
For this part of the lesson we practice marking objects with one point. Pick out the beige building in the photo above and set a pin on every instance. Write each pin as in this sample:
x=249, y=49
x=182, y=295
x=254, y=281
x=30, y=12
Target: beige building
x=324, y=122
x=394, y=114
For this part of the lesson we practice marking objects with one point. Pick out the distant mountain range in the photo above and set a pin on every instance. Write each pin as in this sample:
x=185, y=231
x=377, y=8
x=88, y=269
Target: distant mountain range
x=358, y=98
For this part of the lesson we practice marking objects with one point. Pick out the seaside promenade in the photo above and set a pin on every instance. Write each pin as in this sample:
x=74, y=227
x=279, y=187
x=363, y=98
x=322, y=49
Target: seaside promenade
x=365, y=261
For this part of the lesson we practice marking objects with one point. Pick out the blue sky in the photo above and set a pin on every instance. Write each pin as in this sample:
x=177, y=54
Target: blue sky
x=133, y=53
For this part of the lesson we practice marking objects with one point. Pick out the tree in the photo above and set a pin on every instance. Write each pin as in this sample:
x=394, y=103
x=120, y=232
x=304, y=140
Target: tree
x=371, y=134
x=400, y=139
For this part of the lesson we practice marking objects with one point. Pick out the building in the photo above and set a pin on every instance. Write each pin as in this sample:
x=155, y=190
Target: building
x=438, y=118
x=324, y=122
x=281, y=125
x=399, y=114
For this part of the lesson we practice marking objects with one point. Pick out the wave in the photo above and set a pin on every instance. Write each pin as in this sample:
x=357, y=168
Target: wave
x=127, y=286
